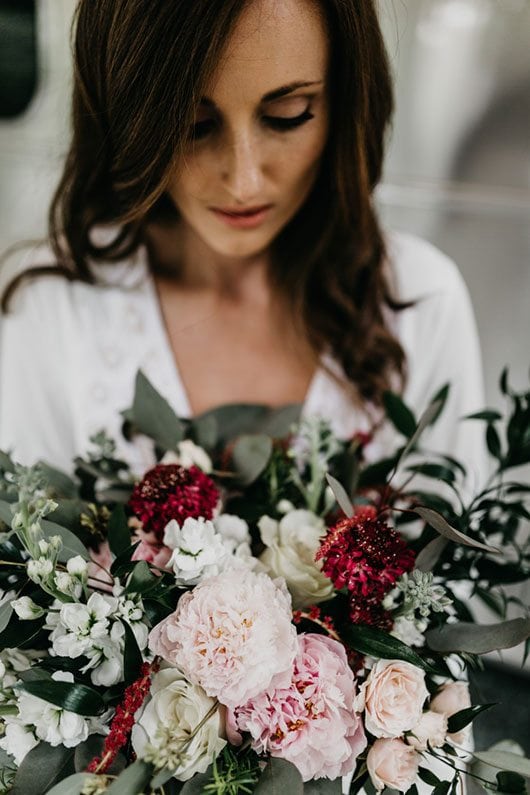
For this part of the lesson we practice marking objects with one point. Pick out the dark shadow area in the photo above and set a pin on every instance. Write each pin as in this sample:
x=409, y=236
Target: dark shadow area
x=510, y=690
x=18, y=56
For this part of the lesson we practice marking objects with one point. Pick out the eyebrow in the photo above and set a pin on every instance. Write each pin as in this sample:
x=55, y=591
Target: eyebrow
x=277, y=93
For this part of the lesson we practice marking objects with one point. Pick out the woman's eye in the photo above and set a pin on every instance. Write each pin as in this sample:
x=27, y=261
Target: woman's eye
x=288, y=122
x=201, y=129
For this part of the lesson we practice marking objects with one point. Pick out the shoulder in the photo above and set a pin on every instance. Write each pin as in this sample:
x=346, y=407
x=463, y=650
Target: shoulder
x=418, y=270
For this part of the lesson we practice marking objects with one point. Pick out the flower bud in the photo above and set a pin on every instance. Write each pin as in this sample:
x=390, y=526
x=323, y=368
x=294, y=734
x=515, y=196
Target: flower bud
x=26, y=609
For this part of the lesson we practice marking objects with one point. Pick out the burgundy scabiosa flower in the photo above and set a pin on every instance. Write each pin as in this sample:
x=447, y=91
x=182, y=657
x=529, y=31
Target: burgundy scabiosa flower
x=366, y=556
x=171, y=491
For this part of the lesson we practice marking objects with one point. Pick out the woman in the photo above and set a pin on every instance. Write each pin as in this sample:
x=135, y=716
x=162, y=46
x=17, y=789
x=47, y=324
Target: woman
x=214, y=226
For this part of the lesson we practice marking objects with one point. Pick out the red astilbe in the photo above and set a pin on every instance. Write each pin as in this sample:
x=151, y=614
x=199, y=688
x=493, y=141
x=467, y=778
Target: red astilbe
x=170, y=491
x=364, y=555
x=123, y=720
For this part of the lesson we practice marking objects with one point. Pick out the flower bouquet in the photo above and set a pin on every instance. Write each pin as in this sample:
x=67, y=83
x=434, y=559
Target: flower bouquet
x=259, y=611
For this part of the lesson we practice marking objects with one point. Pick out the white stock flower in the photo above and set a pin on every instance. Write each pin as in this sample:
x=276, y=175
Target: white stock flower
x=18, y=740
x=174, y=711
x=292, y=544
x=68, y=585
x=189, y=454
x=198, y=550
x=78, y=567
x=40, y=570
x=26, y=609
x=408, y=631
x=131, y=610
x=53, y=724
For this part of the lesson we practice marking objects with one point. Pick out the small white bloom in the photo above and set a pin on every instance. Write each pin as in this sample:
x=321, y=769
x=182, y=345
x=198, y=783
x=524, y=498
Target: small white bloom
x=53, y=724
x=26, y=609
x=292, y=544
x=68, y=585
x=198, y=550
x=78, y=567
x=189, y=454
x=40, y=570
x=79, y=625
x=18, y=740
x=406, y=630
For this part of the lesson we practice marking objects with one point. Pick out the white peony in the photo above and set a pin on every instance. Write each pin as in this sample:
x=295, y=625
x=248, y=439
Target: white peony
x=52, y=724
x=166, y=722
x=292, y=544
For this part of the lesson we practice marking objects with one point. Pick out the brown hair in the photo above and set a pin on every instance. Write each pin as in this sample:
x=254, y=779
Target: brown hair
x=139, y=68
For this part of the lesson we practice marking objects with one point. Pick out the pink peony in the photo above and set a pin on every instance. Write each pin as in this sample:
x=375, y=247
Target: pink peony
x=311, y=722
x=392, y=764
x=232, y=635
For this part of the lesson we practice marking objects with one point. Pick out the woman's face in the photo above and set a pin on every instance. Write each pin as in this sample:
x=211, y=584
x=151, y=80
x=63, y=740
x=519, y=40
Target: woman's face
x=259, y=134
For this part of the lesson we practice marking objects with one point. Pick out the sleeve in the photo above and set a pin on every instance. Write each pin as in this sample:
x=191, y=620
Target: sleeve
x=441, y=341
x=35, y=376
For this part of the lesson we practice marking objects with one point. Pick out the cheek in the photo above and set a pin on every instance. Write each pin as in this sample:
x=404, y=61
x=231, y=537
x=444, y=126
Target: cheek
x=296, y=165
x=196, y=175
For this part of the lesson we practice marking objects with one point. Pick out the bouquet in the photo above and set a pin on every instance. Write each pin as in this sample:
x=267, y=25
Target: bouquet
x=260, y=610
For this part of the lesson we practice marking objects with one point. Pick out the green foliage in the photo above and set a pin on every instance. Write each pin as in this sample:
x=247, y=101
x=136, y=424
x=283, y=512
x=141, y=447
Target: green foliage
x=42, y=768
x=71, y=696
x=378, y=644
x=279, y=777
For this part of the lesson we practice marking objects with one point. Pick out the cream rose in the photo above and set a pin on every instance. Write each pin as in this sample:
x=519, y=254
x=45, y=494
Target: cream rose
x=453, y=697
x=177, y=707
x=431, y=729
x=392, y=698
x=292, y=544
x=392, y=763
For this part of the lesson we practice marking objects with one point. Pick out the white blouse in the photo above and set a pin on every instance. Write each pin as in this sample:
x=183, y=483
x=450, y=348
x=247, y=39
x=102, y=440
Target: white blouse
x=69, y=353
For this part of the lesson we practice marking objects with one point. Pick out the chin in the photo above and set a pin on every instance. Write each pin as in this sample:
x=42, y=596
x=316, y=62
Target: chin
x=241, y=246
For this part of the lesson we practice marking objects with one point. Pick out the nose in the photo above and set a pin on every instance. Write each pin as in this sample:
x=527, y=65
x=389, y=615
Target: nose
x=242, y=168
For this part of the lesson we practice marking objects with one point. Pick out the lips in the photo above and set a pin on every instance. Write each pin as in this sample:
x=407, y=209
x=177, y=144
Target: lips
x=246, y=218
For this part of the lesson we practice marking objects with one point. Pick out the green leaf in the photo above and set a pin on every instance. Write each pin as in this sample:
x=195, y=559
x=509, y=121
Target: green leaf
x=442, y=788
x=205, y=431
x=436, y=471
x=510, y=782
x=428, y=776
x=488, y=415
x=323, y=786
x=460, y=719
x=194, y=786
x=376, y=643
x=250, y=455
x=133, y=780
x=399, y=414
x=62, y=483
x=377, y=474
x=6, y=611
x=505, y=761
x=41, y=768
x=142, y=579
x=438, y=523
x=6, y=514
x=439, y=400
x=428, y=557
x=153, y=416
x=119, y=534
x=279, y=422
x=278, y=778
x=73, y=785
x=71, y=547
x=341, y=496
x=493, y=442
x=479, y=638
x=132, y=656
x=74, y=697
x=93, y=746
x=426, y=419
x=235, y=419
x=6, y=462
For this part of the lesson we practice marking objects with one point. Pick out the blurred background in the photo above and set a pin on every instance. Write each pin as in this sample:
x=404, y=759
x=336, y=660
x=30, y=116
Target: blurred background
x=457, y=173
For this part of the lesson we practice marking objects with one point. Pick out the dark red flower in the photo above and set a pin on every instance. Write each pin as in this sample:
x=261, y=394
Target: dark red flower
x=364, y=555
x=371, y=612
x=170, y=491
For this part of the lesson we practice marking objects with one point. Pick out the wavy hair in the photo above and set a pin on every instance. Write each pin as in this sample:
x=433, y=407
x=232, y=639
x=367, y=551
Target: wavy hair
x=139, y=68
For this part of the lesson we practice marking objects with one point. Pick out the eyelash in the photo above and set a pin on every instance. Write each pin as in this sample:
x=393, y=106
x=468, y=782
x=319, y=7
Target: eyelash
x=279, y=123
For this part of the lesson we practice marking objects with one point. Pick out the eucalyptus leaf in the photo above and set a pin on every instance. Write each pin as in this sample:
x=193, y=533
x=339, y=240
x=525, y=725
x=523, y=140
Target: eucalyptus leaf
x=279, y=422
x=251, y=454
x=323, y=786
x=73, y=785
x=153, y=416
x=279, y=777
x=428, y=557
x=194, y=785
x=42, y=768
x=235, y=419
x=59, y=480
x=6, y=462
x=74, y=697
x=340, y=495
x=205, y=431
x=6, y=513
x=133, y=780
x=438, y=523
x=119, y=533
x=479, y=638
x=71, y=547
x=6, y=611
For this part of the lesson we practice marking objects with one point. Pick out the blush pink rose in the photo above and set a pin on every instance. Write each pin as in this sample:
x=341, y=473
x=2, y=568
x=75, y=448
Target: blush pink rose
x=232, y=635
x=312, y=722
x=452, y=698
x=392, y=763
x=431, y=729
x=392, y=698
x=99, y=576
x=152, y=553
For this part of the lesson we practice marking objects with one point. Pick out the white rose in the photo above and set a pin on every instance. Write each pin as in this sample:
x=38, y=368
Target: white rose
x=53, y=724
x=26, y=609
x=430, y=730
x=392, y=698
x=452, y=698
x=189, y=454
x=178, y=707
x=292, y=544
x=392, y=764
x=18, y=740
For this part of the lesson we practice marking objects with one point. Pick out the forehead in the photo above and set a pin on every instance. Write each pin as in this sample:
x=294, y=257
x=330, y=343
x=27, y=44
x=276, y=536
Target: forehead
x=274, y=43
